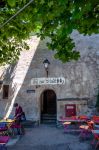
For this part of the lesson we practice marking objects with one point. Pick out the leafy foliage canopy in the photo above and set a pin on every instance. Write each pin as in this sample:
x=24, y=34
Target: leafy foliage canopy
x=55, y=19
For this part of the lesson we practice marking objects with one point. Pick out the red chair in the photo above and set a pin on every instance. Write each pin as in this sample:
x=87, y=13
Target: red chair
x=96, y=119
x=91, y=125
x=3, y=141
x=96, y=138
x=86, y=130
x=83, y=117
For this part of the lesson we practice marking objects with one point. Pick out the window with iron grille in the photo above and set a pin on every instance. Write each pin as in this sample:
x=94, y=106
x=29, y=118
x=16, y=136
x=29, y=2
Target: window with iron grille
x=5, y=91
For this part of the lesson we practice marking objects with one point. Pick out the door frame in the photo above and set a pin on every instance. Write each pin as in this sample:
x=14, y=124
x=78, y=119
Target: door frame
x=41, y=101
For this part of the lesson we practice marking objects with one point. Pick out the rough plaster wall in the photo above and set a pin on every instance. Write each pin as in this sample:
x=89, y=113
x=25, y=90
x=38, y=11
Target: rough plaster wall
x=89, y=50
x=81, y=107
x=81, y=76
x=15, y=76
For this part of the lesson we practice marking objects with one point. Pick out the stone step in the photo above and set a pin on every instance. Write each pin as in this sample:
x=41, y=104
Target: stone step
x=48, y=118
x=48, y=121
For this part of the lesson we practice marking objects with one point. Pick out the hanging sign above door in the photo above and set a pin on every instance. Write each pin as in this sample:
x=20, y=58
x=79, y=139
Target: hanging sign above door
x=45, y=81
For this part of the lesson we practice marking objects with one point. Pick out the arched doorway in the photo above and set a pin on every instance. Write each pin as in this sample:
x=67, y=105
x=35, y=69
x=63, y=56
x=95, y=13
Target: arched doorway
x=48, y=106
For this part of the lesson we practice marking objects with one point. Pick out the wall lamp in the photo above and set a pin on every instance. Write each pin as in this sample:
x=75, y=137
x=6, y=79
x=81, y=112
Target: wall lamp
x=46, y=64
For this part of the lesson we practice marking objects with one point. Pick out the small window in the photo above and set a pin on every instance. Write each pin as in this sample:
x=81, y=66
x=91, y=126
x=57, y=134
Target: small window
x=5, y=91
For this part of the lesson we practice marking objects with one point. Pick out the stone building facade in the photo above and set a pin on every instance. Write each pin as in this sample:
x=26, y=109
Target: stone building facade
x=78, y=92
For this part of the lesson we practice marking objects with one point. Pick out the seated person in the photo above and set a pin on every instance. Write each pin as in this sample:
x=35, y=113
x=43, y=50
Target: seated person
x=19, y=114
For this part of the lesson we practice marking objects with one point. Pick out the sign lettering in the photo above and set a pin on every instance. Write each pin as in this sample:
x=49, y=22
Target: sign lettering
x=45, y=81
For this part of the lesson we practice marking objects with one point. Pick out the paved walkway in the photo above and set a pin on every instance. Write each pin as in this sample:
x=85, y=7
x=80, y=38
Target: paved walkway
x=49, y=138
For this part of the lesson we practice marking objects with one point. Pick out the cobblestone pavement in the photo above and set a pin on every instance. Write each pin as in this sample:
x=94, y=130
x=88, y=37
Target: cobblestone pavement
x=42, y=147
x=49, y=138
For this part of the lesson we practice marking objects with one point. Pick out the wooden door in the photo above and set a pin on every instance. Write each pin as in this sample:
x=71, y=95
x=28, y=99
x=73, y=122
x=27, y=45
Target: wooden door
x=48, y=102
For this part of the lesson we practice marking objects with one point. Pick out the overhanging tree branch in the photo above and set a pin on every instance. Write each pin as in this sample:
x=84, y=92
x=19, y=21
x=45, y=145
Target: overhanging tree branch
x=16, y=14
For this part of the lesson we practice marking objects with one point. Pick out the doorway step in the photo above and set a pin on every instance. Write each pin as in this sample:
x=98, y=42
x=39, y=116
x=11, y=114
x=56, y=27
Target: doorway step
x=48, y=118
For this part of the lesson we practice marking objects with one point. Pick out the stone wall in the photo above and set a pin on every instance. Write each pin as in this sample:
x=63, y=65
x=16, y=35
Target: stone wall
x=81, y=77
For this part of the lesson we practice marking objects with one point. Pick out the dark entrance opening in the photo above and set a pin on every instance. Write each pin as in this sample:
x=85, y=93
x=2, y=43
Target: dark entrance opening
x=48, y=106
